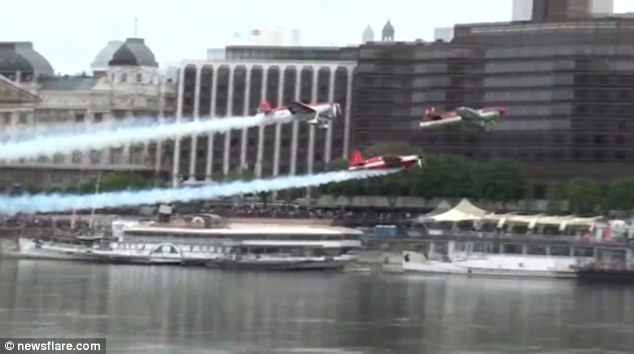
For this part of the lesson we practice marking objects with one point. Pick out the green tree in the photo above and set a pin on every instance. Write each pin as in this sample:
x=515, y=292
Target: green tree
x=114, y=181
x=584, y=195
x=446, y=176
x=619, y=194
x=556, y=196
x=239, y=174
x=499, y=180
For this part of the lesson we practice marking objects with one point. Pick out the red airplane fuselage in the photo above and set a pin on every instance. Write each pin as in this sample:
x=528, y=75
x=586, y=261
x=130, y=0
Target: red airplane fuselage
x=383, y=162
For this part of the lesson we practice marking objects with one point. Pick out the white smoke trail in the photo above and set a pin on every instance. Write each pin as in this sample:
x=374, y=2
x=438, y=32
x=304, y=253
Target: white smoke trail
x=42, y=203
x=113, y=135
x=14, y=133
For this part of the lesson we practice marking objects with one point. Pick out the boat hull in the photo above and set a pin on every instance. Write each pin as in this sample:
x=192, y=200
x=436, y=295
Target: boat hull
x=279, y=265
x=28, y=249
x=608, y=276
x=493, y=265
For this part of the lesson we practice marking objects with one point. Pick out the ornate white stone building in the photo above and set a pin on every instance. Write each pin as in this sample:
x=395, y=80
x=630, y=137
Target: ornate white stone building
x=234, y=88
x=125, y=83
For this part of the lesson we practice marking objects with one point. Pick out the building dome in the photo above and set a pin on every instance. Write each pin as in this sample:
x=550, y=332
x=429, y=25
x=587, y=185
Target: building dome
x=133, y=52
x=368, y=35
x=388, y=32
x=105, y=55
x=20, y=56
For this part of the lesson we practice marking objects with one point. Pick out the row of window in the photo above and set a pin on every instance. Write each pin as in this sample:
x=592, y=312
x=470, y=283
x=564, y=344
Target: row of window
x=116, y=157
x=122, y=77
x=22, y=118
x=183, y=237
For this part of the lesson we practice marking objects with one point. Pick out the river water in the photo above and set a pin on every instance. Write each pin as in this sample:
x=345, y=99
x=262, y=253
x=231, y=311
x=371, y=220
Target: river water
x=153, y=309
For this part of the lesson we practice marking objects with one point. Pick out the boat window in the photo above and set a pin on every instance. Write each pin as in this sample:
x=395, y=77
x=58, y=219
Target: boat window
x=584, y=252
x=536, y=249
x=611, y=255
x=481, y=247
x=460, y=246
x=440, y=248
x=331, y=252
x=215, y=234
x=513, y=249
x=559, y=251
x=347, y=250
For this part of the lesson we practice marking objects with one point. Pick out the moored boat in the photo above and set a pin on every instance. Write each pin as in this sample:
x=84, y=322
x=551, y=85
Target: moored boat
x=207, y=239
x=503, y=256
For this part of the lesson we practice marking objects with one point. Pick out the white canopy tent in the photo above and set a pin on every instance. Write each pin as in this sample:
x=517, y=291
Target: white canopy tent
x=442, y=207
x=463, y=211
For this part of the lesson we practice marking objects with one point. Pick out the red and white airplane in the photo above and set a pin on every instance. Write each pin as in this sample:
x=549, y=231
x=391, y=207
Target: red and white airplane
x=485, y=117
x=318, y=114
x=383, y=162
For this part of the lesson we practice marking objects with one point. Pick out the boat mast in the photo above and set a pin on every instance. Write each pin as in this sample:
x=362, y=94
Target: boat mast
x=92, y=212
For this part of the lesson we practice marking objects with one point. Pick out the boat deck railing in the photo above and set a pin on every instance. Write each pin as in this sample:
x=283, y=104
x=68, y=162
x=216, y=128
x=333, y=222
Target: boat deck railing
x=462, y=235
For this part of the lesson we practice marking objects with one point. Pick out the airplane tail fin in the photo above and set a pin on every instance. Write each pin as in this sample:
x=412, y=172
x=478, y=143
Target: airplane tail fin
x=264, y=106
x=429, y=112
x=355, y=158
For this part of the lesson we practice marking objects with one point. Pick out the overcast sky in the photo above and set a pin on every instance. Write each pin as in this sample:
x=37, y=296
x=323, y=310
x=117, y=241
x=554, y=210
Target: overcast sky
x=69, y=33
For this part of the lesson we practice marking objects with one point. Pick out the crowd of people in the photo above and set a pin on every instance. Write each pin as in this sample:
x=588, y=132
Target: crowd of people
x=367, y=217
x=340, y=216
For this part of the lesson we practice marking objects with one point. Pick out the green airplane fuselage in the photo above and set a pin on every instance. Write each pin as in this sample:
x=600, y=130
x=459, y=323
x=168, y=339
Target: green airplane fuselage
x=474, y=116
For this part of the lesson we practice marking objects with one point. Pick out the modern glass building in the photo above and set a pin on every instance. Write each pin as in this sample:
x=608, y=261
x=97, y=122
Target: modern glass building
x=568, y=87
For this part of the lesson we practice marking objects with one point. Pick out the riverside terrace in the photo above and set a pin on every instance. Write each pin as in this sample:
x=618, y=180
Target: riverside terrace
x=466, y=217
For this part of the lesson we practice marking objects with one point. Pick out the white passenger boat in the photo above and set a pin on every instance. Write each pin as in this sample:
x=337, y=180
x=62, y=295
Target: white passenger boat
x=69, y=249
x=492, y=255
x=210, y=240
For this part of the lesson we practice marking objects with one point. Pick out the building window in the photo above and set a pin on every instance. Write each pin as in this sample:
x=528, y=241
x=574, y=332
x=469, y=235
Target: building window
x=137, y=155
x=620, y=140
x=6, y=118
x=620, y=155
x=116, y=156
x=119, y=114
x=58, y=159
x=98, y=118
x=80, y=117
x=139, y=77
x=77, y=157
x=124, y=77
x=95, y=157
x=23, y=118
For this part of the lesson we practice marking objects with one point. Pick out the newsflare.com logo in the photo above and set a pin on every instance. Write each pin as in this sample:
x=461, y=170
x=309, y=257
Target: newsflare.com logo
x=58, y=345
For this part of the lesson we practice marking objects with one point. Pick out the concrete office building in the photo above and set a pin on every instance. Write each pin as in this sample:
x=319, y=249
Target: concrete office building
x=522, y=10
x=567, y=86
x=234, y=87
x=602, y=7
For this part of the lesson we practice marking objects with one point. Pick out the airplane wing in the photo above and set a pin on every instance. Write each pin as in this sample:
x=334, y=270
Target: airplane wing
x=469, y=113
x=309, y=114
x=299, y=108
x=439, y=122
x=392, y=161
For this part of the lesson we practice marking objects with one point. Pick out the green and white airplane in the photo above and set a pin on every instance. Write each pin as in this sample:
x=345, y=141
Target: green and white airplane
x=485, y=117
